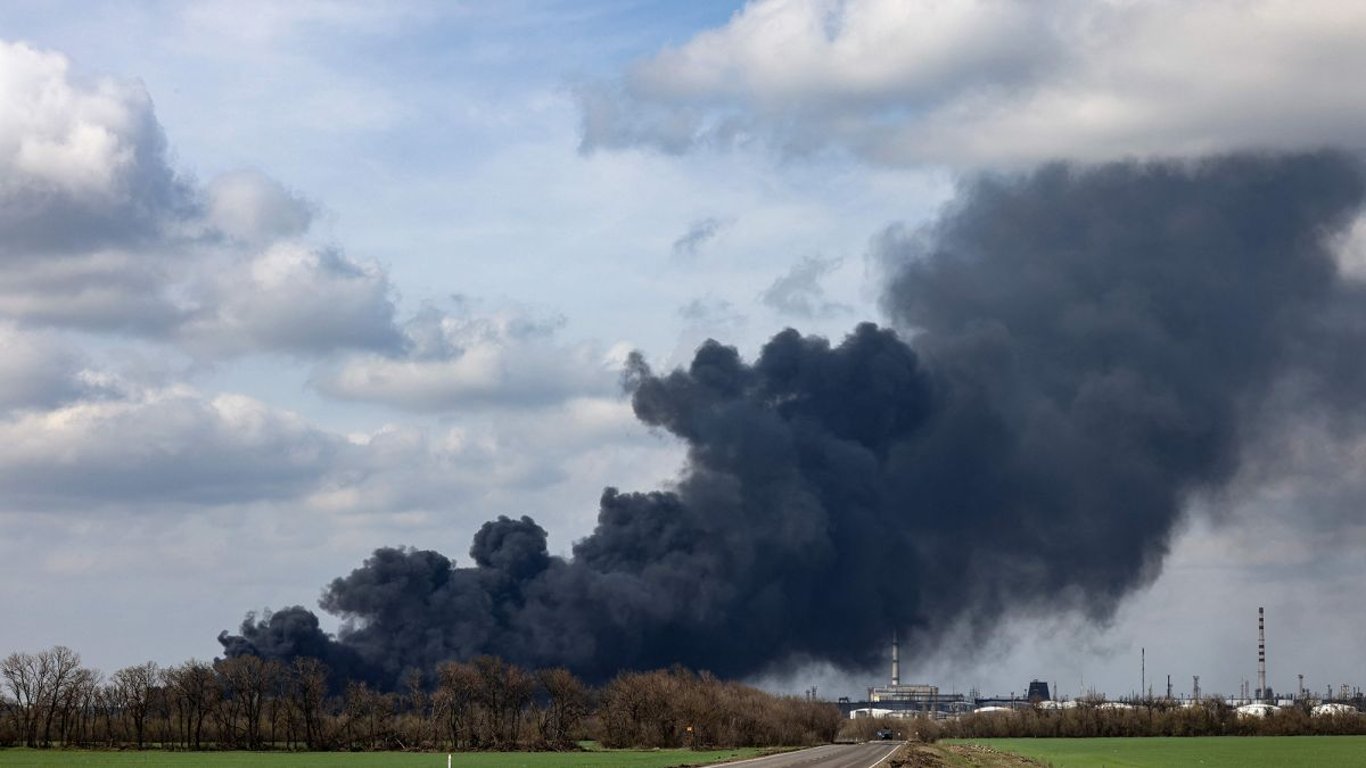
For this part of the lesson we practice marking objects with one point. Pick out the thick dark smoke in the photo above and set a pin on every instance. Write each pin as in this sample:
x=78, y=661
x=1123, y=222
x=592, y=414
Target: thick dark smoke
x=1080, y=351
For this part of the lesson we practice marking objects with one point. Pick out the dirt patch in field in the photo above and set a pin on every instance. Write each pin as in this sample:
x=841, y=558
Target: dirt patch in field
x=957, y=756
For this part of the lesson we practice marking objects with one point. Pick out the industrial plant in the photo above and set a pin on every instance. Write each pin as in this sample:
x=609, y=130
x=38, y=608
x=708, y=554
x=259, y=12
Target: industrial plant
x=903, y=700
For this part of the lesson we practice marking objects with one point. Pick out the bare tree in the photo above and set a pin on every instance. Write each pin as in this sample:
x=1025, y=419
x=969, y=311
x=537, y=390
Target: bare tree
x=76, y=703
x=566, y=705
x=368, y=716
x=24, y=680
x=308, y=694
x=248, y=681
x=43, y=686
x=133, y=688
x=59, y=667
x=195, y=690
x=503, y=694
x=453, y=702
x=415, y=706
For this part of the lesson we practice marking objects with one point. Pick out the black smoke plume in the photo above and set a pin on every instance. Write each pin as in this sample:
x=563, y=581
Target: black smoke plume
x=1079, y=351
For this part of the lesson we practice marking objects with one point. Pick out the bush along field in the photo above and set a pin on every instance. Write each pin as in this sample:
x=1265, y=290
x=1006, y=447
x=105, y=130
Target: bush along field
x=48, y=700
x=664, y=758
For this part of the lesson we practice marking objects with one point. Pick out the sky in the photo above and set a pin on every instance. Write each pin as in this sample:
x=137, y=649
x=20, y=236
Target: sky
x=284, y=283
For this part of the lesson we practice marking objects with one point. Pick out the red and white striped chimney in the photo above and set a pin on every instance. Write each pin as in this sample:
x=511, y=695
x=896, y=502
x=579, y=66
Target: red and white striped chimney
x=1261, y=654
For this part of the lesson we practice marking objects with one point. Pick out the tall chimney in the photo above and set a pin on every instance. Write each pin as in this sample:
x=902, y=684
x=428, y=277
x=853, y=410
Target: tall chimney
x=896, y=660
x=1261, y=654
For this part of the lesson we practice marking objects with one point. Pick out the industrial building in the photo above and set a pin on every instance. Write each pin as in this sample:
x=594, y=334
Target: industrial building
x=904, y=699
x=898, y=699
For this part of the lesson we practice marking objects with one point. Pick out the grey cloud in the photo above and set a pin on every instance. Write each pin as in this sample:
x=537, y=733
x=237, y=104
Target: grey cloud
x=39, y=371
x=711, y=311
x=700, y=232
x=101, y=291
x=799, y=293
x=610, y=119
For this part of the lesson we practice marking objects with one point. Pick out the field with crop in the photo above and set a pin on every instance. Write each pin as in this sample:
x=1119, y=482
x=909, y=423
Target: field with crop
x=1211, y=752
x=664, y=758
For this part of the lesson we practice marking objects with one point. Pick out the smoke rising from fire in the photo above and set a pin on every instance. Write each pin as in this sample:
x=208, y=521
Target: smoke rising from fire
x=1077, y=352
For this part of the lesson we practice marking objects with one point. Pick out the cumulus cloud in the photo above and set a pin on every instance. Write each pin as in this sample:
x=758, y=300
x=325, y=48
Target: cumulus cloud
x=252, y=207
x=161, y=445
x=90, y=210
x=84, y=443
x=295, y=298
x=978, y=82
x=460, y=359
x=39, y=371
x=82, y=163
x=481, y=466
x=99, y=233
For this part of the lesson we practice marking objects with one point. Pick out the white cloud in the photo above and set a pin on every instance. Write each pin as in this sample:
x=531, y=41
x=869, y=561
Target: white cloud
x=295, y=298
x=159, y=446
x=986, y=82
x=252, y=207
x=97, y=232
x=89, y=209
x=82, y=162
x=61, y=138
x=505, y=358
x=91, y=445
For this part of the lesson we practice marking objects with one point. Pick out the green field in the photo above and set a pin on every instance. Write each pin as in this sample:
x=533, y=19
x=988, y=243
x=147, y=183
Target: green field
x=664, y=758
x=1210, y=752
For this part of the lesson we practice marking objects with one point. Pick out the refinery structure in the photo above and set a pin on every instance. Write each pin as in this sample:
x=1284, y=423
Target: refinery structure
x=904, y=700
x=898, y=699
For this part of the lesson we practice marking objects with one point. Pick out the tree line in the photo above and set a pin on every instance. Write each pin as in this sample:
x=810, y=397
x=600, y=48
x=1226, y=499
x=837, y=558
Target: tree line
x=49, y=699
x=1207, y=718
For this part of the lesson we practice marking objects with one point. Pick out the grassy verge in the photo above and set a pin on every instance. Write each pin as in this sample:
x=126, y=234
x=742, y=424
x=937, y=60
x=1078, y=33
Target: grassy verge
x=1206, y=752
x=663, y=758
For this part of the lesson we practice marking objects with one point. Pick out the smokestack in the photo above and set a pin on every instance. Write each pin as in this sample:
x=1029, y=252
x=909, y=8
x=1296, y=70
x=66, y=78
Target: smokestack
x=1261, y=654
x=896, y=660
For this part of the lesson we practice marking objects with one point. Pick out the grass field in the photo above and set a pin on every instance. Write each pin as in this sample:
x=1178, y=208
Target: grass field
x=1212, y=752
x=664, y=758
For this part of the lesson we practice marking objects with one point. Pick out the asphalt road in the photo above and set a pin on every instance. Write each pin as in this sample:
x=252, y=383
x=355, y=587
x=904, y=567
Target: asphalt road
x=865, y=755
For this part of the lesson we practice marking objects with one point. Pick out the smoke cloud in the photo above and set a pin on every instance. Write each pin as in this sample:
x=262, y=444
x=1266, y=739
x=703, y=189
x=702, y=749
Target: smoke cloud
x=1076, y=353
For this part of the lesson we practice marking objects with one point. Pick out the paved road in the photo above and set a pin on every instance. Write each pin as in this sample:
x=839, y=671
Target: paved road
x=866, y=755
